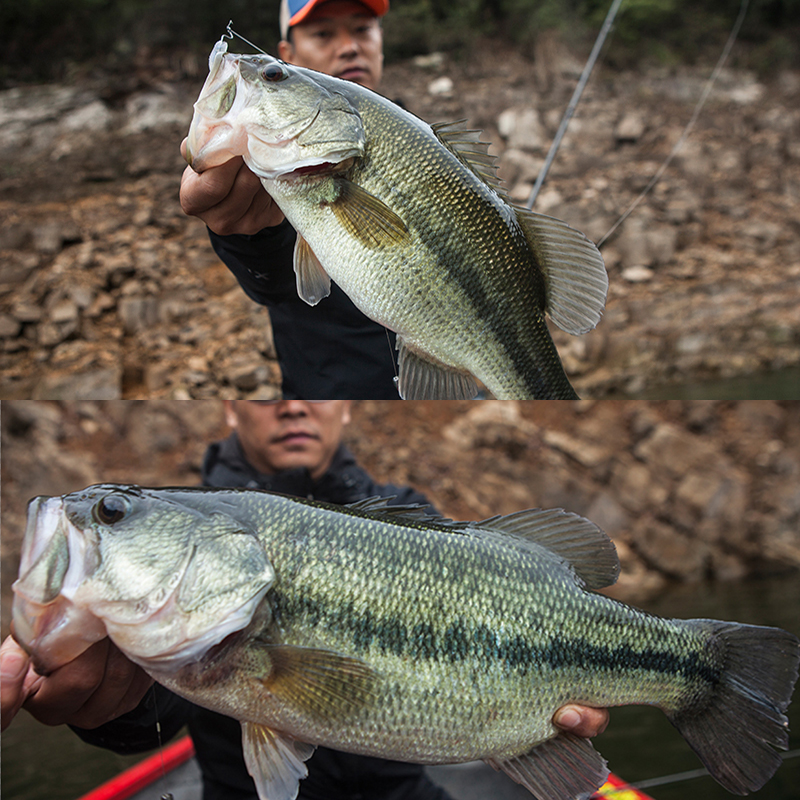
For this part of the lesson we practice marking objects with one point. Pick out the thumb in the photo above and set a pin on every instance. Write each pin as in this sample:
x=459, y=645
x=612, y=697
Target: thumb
x=14, y=664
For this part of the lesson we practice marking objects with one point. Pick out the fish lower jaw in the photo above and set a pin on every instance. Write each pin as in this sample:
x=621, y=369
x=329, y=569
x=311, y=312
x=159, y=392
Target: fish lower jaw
x=336, y=164
x=54, y=634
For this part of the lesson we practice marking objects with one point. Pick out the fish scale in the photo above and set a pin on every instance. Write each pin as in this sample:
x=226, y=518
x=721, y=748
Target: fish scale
x=382, y=631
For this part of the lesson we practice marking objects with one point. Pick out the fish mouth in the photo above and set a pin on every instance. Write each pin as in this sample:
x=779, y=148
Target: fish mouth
x=46, y=623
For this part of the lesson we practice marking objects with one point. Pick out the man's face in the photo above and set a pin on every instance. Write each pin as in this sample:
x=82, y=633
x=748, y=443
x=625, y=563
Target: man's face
x=341, y=38
x=289, y=434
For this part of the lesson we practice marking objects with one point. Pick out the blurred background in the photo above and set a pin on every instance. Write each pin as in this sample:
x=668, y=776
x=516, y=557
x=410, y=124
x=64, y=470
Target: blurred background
x=702, y=500
x=108, y=291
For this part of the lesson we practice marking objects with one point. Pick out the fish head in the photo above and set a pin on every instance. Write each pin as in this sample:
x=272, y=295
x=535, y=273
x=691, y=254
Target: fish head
x=164, y=578
x=278, y=117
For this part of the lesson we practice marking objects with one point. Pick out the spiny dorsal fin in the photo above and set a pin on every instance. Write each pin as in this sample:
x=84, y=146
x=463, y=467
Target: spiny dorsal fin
x=588, y=549
x=379, y=507
x=466, y=145
x=574, y=272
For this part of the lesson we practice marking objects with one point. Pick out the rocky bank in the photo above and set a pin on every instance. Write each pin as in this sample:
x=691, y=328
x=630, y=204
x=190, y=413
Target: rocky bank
x=688, y=491
x=108, y=291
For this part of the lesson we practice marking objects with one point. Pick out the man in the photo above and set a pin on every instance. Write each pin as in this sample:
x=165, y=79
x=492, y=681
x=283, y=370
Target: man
x=294, y=447
x=330, y=350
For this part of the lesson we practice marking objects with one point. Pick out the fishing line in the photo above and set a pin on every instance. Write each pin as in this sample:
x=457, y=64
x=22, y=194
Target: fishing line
x=230, y=33
x=676, y=777
x=166, y=795
x=573, y=103
x=689, y=125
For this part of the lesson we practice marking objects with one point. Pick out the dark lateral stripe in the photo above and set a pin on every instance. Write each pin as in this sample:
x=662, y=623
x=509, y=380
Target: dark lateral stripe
x=460, y=641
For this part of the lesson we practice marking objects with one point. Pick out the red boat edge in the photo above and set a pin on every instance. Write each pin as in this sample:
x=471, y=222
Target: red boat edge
x=146, y=772
x=138, y=777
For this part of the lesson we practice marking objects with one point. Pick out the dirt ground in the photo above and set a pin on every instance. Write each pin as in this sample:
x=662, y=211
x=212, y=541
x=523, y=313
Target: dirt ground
x=108, y=291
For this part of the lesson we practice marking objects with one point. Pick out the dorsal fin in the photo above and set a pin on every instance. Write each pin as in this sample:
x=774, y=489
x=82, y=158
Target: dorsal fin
x=588, y=549
x=414, y=513
x=466, y=145
x=574, y=272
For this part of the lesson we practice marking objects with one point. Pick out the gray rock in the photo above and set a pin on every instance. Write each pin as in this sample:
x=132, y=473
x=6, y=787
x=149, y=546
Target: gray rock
x=630, y=128
x=138, y=313
x=9, y=326
x=94, y=384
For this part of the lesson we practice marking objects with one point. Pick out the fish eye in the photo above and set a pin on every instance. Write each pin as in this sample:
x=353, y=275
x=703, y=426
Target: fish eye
x=111, y=509
x=274, y=73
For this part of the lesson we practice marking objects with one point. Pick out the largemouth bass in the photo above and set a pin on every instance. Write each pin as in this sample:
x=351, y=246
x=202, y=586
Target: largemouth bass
x=380, y=630
x=410, y=221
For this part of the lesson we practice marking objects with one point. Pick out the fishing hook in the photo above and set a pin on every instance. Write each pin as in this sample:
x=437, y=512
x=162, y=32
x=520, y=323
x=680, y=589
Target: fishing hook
x=230, y=33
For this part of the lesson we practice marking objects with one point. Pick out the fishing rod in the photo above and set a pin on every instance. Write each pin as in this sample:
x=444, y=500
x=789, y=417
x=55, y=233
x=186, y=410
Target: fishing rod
x=690, y=124
x=587, y=71
x=573, y=103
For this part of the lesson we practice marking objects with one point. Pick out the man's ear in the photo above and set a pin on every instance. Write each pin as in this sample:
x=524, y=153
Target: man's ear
x=230, y=414
x=285, y=51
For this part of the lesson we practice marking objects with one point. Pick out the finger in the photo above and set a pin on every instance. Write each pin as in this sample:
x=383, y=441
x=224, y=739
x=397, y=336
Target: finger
x=65, y=690
x=262, y=213
x=201, y=192
x=582, y=720
x=123, y=686
x=14, y=666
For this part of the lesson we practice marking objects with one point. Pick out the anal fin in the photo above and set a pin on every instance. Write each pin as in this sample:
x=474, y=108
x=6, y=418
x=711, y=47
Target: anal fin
x=275, y=761
x=566, y=767
x=421, y=378
x=313, y=283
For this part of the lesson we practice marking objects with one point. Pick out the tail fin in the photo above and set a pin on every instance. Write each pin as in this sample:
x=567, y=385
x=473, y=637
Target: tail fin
x=743, y=719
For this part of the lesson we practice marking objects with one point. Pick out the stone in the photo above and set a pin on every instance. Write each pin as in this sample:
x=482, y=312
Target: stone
x=522, y=128
x=441, y=87
x=138, y=313
x=9, y=326
x=670, y=448
x=637, y=274
x=670, y=551
x=586, y=453
x=103, y=383
x=64, y=310
x=630, y=128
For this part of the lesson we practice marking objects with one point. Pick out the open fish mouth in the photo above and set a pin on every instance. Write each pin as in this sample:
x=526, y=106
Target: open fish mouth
x=45, y=622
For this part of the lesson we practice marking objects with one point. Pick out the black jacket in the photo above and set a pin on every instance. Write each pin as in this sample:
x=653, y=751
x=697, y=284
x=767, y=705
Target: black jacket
x=217, y=739
x=330, y=351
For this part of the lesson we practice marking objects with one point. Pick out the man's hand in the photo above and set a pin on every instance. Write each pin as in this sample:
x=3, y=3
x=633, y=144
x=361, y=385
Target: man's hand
x=581, y=720
x=228, y=198
x=99, y=685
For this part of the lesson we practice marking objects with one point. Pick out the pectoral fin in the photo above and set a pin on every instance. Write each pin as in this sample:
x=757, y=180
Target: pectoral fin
x=366, y=217
x=313, y=283
x=563, y=768
x=320, y=683
x=421, y=378
x=274, y=760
